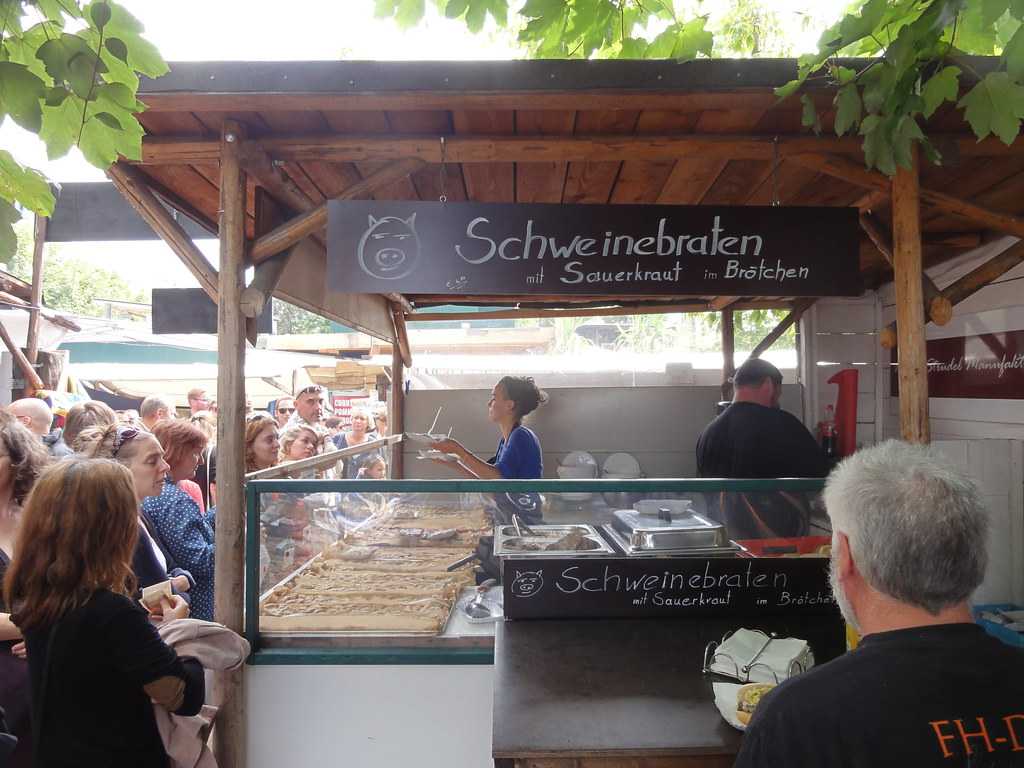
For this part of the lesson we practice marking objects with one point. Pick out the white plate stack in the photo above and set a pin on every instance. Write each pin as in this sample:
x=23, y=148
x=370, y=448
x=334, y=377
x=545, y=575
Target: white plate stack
x=621, y=466
x=577, y=465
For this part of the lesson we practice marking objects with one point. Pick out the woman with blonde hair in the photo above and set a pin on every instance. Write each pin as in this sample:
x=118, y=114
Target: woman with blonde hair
x=91, y=413
x=303, y=441
x=96, y=661
x=362, y=424
x=22, y=458
x=262, y=445
x=143, y=455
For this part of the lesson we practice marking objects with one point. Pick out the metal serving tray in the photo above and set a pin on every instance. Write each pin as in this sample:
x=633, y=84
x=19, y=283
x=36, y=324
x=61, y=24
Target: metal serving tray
x=507, y=541
x=671, y=531
x=729, y=549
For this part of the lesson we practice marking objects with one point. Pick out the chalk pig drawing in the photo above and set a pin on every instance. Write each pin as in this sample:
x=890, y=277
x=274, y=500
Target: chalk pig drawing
x=527, y=583
x=390, y=248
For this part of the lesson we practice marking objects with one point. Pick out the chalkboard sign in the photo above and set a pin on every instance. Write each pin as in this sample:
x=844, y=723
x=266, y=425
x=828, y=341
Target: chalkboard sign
x=190, y=310
x=487, y=248
x=637, y=587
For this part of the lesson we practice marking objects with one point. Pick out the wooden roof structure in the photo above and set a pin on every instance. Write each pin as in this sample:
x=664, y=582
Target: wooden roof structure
x=696, y=133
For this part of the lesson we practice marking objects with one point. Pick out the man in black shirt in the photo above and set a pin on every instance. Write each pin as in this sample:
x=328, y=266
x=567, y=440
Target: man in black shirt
x=756, y=438
x=926, y=686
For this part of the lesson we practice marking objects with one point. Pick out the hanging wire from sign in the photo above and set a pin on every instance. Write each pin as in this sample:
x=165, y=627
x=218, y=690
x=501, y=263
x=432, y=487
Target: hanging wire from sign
x=444, y=172
x=775, y=171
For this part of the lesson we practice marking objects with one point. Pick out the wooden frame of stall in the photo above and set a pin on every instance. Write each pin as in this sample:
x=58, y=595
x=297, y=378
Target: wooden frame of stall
x=253, y=151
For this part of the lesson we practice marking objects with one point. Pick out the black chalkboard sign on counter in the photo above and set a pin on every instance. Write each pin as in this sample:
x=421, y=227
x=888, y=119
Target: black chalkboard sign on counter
x=517, y=249
x=666, y=587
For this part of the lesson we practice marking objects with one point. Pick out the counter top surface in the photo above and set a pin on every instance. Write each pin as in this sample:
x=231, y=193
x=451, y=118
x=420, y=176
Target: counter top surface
x=607, y=687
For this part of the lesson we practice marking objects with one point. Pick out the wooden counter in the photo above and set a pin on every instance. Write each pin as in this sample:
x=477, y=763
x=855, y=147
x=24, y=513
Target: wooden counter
x=618, y=692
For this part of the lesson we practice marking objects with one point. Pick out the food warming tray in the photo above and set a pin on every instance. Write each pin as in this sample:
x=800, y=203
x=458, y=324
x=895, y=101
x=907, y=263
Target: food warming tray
x=508, y=543
x=729, y=549
x=673, y=531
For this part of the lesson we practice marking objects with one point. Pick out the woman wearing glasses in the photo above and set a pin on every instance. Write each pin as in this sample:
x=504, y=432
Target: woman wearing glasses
x=140, y=452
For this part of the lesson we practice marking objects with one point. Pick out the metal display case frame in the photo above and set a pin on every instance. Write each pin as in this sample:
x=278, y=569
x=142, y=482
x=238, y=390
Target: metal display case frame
x=353, y=649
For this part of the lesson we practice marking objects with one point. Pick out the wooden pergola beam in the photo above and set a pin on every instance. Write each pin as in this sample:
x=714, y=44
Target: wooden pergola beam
x=799, y=307
x=719, y=303
x=937, y=307
x=313, y=219
x=32, y=381
x=855, y=173
x=540, y=313
x=969, y=284
x=178, y=150
x=36, y=296
x=728, y=353
x=132, y=185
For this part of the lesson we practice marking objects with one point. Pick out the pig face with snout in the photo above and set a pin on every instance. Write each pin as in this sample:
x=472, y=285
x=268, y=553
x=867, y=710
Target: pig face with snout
x=390, y=247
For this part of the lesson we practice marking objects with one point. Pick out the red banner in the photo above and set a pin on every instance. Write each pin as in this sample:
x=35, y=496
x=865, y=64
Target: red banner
x=987, y=366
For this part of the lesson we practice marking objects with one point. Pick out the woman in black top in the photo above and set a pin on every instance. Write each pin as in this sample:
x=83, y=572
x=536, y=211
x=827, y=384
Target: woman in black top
x=96, y=662
x=22, y=458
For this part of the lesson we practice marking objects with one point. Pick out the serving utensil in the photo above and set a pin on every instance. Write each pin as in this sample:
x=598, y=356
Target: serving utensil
x=433, y=424
x=477, y=608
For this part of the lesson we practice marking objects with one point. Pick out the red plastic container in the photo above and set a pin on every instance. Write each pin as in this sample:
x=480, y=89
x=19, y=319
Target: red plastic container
x=801, y=545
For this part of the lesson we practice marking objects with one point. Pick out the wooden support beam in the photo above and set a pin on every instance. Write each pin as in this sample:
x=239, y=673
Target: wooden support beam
x=36, y=297
x=15, y=286
x=229, y=573
x=872, y=200
x=313, y=219
x=268, y=175
x=907, y=265
x=728, y=353
x=397, y=408
x=855, y=173
x=132, y=185
x=177, y=150
x=401, y=335
x=32, y=381
x=937, y=307
x=981, y=276
x=799, y=307
x=719, y=303
x=397, y=298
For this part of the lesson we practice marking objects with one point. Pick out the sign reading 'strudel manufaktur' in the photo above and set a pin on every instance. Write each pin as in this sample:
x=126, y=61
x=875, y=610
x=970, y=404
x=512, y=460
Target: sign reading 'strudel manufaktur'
x=484, y=248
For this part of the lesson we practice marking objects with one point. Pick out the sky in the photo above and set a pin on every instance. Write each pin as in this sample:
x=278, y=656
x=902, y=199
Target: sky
x=269, y=30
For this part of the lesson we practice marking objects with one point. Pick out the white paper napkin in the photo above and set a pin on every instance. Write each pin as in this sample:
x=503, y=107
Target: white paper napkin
x=725, y=700
x=772, y=664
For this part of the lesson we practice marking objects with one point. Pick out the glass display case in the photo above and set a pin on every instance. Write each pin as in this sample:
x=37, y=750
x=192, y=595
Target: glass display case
x=408, y=570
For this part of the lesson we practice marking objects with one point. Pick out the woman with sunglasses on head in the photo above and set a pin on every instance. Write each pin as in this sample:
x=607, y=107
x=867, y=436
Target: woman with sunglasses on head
x=96, y=662
x=140, y=452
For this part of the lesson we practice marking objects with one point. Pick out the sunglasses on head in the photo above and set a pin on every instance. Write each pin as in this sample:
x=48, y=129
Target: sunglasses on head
x=121, y=437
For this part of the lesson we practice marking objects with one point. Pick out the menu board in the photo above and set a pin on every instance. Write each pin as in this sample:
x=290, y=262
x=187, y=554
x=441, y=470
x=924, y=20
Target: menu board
x=489, y=248
x=536, y=588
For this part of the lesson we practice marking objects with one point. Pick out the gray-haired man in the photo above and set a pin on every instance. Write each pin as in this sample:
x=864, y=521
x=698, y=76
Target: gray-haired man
x=926, y=686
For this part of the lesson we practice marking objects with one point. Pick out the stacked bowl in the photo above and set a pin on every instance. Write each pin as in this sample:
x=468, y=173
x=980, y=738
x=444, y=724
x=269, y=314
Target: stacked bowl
x=622, y=467
x=578, y=465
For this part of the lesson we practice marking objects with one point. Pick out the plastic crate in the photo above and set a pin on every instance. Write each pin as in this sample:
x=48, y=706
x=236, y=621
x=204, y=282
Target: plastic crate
x=801, y=545
x=1008, y=636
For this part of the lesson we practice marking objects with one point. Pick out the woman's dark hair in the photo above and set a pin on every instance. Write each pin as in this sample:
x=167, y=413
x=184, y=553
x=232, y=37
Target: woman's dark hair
x=522, y=391
x=27, y=454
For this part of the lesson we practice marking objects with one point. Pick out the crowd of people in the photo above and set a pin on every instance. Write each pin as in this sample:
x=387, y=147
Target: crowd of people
x=91, y=514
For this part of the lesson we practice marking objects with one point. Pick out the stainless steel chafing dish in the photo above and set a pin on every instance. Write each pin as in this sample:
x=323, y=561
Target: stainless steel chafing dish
x=575, y=540
x=667, y=528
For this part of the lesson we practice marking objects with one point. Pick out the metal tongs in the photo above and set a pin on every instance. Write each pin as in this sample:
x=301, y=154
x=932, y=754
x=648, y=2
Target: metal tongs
x=521, y=527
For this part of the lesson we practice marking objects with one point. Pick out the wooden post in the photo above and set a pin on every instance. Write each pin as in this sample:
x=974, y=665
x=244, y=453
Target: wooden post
x=728, y=352
x=799, y=307
x=913, y=364
x=229, y=573
x=397, y=404
x=36, y=297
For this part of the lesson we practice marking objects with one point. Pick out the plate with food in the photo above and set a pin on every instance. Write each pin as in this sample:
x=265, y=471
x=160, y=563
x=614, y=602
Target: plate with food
x=425, y=438
x=433, y=455
x=737, y=703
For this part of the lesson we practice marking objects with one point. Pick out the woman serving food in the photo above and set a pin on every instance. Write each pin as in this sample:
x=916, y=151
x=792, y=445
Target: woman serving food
x=519, y=455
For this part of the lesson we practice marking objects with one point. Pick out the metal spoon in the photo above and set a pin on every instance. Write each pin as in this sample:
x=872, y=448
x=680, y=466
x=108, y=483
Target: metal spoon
x=477, y=608
x=434, y=422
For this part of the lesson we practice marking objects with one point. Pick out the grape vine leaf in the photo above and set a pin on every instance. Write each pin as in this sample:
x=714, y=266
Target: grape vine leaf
x=9, y=216
x=943, y=86
x=994, y=105
x=25, y=186
x=21, y=93
x=848, y=108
